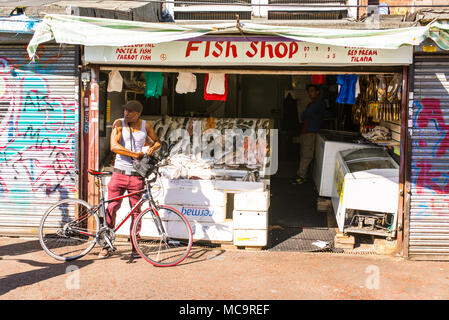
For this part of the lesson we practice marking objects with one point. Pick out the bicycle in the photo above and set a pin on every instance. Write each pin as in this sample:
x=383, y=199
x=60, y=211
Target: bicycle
x=67, y=233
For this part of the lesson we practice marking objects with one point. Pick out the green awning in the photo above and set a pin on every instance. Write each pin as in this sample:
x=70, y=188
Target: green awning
x=89, y=31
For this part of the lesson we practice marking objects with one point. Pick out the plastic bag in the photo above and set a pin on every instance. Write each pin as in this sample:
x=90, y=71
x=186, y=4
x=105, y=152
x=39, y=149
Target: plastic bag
x=394, y=88
x=115, y=81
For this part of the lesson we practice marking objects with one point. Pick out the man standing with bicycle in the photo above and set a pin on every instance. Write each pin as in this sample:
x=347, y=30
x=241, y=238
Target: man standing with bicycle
x=129, y=135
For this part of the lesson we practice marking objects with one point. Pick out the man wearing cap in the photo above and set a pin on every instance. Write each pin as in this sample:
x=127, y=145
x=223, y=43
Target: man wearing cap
x=129, y=136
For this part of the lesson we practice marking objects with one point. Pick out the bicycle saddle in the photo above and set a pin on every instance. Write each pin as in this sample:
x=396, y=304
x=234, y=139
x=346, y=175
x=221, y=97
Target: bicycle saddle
x=98, y=173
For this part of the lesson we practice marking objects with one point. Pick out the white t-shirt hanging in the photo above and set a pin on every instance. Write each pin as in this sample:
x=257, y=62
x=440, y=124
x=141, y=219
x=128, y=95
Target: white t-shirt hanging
x=186, y=83
x=216, y=83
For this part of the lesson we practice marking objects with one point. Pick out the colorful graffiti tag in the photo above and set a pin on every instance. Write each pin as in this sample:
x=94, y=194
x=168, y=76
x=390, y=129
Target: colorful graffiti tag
x=37, y=137
x=432, y=180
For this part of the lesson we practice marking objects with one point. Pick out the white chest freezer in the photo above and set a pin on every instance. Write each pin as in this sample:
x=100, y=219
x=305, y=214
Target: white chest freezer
x=366, y=188
x=328, y=143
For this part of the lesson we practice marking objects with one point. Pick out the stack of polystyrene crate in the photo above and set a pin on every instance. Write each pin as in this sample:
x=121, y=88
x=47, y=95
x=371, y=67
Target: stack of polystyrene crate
x=250, y=217
x=198, y=200
x=202, y=205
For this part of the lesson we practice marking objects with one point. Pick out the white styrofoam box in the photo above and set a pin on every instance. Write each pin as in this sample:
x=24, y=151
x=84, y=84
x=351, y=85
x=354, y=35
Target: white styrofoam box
x=202, y=213
x=175, y=229
x=250, y=237
x=250, y=219
x=233, y=186
x=221, y=231
x=186, y=183
x=190, y=192
x=183, y=192
x=192, y=196
x=252, y=200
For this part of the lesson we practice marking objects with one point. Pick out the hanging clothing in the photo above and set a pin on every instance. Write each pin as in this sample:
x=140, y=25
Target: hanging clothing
x=318, y=79
x=347, y=88
x=216, y=83
x=186, y=83
x=115, y=82
x=153, y=84
x=216, y=86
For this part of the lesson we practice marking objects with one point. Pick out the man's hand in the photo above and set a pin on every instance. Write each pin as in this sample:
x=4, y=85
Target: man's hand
x=139, y=155
x=151, y=151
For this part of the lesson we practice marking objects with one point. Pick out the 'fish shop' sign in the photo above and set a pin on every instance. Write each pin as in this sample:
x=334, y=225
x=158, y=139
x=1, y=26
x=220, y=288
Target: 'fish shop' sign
x=226, y=52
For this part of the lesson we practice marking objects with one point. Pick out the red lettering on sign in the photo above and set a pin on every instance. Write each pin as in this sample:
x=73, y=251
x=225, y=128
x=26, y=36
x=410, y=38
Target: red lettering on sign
x=253, y=47
x=206, y=52
x=230, y=47
x=191, y=47
x=293, y=48
x=264, y=47
x=218, y=45
x=277, y=50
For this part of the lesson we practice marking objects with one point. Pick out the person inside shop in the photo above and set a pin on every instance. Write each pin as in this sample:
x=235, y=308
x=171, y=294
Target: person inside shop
x=312, y=118
x=130, y=136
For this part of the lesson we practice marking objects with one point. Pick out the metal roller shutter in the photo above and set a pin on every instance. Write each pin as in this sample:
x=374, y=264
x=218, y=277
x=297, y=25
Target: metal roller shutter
x=429, y=199
x=38, y=133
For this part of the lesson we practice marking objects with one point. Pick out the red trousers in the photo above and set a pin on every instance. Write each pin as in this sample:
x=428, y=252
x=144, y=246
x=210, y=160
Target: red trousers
x=119, y=184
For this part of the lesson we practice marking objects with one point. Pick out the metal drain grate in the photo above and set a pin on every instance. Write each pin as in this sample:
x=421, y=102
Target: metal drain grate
x=300, y=239
x=303, y=239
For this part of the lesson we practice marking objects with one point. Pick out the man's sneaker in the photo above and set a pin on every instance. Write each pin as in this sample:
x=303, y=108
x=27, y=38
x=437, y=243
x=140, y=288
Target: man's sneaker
x=135, y=254
x=104, y=253
x=299, y=180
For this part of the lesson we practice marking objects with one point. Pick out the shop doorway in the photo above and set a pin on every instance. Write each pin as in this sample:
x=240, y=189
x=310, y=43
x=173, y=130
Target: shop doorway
x=296, y=221
x=368, y=116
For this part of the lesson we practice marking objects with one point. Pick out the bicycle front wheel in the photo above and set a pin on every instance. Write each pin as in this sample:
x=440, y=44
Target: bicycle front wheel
x=165, y=236
x=64, y=232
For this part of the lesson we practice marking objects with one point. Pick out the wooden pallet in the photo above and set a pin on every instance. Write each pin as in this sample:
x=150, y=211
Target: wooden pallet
x=234, y=247
x=342, y=241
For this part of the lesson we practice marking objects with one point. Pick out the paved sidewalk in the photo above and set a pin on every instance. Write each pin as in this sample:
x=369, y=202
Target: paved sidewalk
x=26, y=272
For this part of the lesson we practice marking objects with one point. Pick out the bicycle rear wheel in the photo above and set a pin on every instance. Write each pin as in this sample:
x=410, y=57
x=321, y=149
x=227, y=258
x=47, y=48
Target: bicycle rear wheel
x=165, y=236
x=64, y=233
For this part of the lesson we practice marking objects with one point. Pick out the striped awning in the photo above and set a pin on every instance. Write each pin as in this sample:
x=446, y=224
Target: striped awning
x=439, y=33
x=90, y=31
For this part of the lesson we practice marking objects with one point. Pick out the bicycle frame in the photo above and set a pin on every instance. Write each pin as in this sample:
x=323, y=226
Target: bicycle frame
x=147, y=196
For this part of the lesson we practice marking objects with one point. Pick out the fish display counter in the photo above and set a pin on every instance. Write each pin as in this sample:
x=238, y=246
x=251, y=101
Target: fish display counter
x=213, y=162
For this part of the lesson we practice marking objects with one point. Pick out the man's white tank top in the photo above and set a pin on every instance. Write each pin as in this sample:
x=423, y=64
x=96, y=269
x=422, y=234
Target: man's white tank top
x=136, y=145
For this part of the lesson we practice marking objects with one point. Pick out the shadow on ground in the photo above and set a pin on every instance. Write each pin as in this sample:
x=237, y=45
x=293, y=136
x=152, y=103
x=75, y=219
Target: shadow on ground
x=44, y=271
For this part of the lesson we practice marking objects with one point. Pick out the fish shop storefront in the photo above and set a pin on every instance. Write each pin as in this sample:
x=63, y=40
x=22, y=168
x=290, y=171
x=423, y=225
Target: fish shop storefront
x=203, y=84
x=223, y=198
